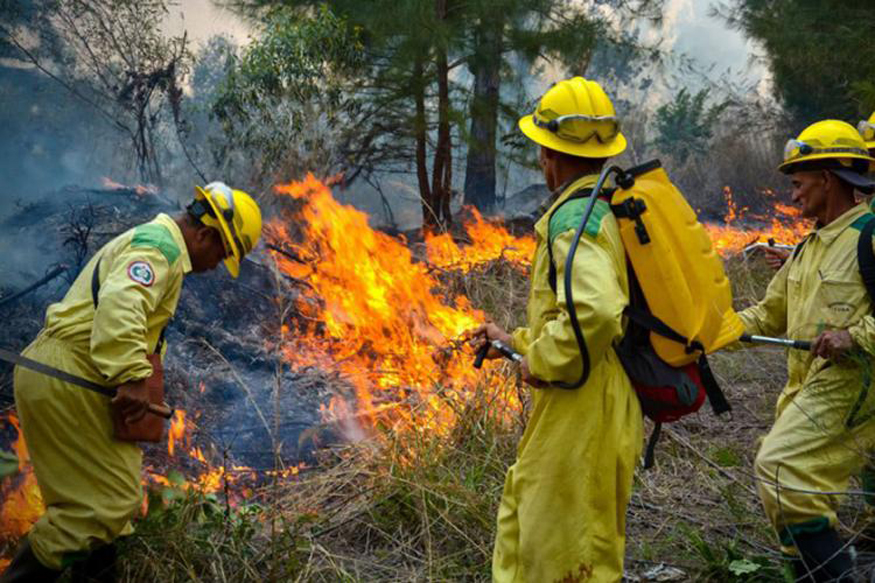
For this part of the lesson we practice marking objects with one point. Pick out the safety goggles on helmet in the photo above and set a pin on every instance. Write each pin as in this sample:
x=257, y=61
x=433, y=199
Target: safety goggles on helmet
x=581, y=128
x=797, y=149
x=867, y=130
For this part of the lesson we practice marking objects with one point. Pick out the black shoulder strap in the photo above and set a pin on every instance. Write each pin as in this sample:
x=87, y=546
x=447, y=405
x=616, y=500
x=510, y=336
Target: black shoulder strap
x=95, y=283
x=866, y=257
x=95, y=290
x=648, y=321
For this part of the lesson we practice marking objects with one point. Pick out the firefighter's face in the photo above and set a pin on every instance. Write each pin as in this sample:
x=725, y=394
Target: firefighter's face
x=207, y=250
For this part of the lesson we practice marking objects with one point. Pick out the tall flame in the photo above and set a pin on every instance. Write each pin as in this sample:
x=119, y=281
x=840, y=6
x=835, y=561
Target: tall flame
x=377, y=315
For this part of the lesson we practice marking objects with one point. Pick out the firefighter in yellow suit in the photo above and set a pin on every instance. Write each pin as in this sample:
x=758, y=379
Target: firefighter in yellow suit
x=825, y=416
x=90, y=482
x=562, y=512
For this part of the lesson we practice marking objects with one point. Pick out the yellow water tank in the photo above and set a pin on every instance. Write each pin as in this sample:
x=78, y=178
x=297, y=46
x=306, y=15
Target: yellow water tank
x=680, y=274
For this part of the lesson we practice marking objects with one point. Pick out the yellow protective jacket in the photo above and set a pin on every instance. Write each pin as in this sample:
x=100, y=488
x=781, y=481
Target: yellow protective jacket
x=89, y=482
x=823, y=423
x=562, y=512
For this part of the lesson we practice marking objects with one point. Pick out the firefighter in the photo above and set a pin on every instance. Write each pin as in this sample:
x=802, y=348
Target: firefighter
x=89, y=481
x=824, y=420
x=562, y=512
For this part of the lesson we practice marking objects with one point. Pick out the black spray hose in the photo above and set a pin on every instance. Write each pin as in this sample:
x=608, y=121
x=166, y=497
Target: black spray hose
x=569, y=264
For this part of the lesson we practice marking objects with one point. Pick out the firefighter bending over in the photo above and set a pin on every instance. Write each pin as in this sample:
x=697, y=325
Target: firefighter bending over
x=104, y=330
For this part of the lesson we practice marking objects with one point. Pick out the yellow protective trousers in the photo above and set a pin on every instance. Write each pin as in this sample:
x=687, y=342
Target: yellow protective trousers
x=562, y=515
x=821, y=437
x=89, y=482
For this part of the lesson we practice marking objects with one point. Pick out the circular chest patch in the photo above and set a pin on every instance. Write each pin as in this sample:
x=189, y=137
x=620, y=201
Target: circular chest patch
x=142, y=273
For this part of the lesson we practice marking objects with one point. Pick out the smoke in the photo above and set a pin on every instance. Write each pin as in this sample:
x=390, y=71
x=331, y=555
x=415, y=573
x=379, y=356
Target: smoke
x=50, y=138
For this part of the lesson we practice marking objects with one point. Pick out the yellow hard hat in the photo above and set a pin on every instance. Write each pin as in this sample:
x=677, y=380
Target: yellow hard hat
x=830, y=139
x=867, y=131
x=576, y=117
x=236, y=216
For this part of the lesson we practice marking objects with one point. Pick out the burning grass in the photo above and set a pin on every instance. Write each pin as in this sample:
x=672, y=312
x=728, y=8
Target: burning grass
x=414, y=495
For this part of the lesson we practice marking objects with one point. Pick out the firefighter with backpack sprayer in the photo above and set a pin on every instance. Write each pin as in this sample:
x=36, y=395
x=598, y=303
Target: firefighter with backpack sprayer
x=106, y=332
x=824, y=422
x=562, y=512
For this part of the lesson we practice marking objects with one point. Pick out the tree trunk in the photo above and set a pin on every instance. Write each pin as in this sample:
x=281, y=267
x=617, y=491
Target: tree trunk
x=480, y=168
x=442, y=169
x=420, y=127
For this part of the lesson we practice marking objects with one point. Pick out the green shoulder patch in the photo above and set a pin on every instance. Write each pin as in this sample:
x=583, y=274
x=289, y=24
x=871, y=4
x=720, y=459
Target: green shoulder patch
x=159, y=237
x=569, y=214
x=862, y=220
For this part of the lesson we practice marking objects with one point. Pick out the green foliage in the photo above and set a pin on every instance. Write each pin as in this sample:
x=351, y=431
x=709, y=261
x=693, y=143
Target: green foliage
x=727, y=564
x=820, y=53
x=187, y=535
x=685, y=126
x=286, y=101
x=412, y=106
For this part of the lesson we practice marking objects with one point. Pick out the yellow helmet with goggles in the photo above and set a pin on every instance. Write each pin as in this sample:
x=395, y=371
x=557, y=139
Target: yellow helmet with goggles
x=234, y=214
x=576, y=117
x=831, y=145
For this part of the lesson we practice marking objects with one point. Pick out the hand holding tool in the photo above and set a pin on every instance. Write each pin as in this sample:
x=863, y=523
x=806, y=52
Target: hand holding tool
x=505, y=350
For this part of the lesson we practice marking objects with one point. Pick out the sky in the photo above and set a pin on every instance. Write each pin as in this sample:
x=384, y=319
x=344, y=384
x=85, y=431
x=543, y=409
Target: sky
x=687, y=28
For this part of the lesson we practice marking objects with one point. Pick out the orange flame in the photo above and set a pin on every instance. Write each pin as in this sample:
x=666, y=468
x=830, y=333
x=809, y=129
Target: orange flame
x=21, y=500
x=489, y=242
x=376, y=314
x=785, y=226
x=139, y=189
x=176, y=433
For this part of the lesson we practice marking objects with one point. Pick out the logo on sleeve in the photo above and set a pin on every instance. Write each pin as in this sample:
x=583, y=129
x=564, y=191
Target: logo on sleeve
x=142, y=273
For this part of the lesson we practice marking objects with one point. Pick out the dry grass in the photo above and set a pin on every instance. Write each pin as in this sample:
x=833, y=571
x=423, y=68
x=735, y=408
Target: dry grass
x=416, y=506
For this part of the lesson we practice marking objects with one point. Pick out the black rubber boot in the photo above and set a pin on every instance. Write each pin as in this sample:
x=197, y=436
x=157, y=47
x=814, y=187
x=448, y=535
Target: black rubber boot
x=822, y=558
x=98, y=567
x=26, y=568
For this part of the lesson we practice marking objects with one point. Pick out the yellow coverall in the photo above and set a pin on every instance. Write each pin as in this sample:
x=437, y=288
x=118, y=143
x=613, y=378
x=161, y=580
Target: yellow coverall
x=823, y=420
x=90, y=482
x=562, y=512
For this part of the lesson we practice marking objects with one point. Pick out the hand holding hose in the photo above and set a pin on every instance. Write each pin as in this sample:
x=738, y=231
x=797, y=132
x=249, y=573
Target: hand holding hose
x=481, y=337
x=833, y=344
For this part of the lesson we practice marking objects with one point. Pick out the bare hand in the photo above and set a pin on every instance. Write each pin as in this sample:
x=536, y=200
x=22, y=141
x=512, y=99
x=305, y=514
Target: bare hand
x=131, y=401
x=482, y=334
x=776, y=257
x=833, y=344
x=527, y=376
